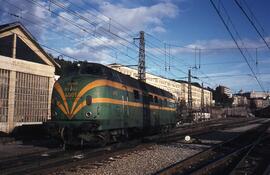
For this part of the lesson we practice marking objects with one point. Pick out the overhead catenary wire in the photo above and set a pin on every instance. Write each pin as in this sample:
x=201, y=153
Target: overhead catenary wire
x=83, y=18
x=82, y=28
x=124, y=30
x=200, y=51
x=20, y=16
x=234, y=75
x=229, y=21
x=152, y=56
x=87, y=31
x=252, y=23
x=17, y=16
x=187, y=66
x=209, y=49
x=236, y=43
x=254, y=17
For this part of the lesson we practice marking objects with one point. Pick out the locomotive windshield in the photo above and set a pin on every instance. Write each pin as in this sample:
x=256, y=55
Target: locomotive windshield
x=70, y=69
x=91, y=70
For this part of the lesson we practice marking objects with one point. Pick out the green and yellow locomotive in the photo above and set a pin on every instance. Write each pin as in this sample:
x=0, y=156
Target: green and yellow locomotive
x=98, y=104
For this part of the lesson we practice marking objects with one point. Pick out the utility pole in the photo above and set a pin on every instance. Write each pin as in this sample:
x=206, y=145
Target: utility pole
x=189, y=91
x=141, y=64
x=202, y=99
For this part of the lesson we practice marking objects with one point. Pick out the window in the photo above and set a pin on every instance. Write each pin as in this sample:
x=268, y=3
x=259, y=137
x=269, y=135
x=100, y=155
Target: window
x=156, y=99
x=88, y=100
x=6, y=46
x=136, y=94
x=165, y=102
x=70, y=69
x=91, y=69
x=150, y=97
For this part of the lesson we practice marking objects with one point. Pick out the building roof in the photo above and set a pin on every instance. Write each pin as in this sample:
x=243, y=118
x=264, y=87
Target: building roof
x=4, y=26
x=10, y=26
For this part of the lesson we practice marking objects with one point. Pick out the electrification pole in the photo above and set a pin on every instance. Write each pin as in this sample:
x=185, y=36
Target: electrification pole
x=202, y=99
x=189, y=91
x=141, y=64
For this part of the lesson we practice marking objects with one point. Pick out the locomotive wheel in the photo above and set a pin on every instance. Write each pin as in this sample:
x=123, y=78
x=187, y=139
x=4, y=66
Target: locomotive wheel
x=64, y=138
x=63, y=135
x=101, y=141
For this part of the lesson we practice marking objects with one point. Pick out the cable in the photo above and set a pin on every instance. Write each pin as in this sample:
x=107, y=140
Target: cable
x=86, y=31
x=235, y=75
x=252, y=23
x=83, y=18
x=252, y=14
x=82, y=28
x=227, y=28
x=72, y=39
x=187, y=65
x=110, y=24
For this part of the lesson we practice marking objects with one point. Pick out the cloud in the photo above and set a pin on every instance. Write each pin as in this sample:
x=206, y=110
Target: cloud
x=159, y=29
x=93, y=34
x=28, y=13
x=88, y=54
x=101, y=41
x=140, y=18
x=236, y=79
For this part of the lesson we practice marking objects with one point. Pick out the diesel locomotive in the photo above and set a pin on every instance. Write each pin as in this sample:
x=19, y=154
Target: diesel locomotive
x=96, y=104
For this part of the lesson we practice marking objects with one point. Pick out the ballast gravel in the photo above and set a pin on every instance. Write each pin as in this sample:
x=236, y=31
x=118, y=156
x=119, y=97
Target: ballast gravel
x=146, y=161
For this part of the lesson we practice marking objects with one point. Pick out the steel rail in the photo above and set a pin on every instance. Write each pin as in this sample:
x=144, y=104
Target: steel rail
x=210, y=159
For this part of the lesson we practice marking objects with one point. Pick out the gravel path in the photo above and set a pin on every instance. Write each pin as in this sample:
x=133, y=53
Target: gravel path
x=139, y=162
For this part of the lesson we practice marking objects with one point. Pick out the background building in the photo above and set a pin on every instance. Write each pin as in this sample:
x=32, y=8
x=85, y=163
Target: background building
x=26, y=78
x=258, y=100
x=254, y=94
x=224, y=90
x=223, y=96
x=197, y=93
x=240, y=100
x=178, y=88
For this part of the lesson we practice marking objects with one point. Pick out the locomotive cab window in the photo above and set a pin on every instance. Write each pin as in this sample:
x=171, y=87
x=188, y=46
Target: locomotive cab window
x=88, y=100
x=136, y=94
x=92, y=70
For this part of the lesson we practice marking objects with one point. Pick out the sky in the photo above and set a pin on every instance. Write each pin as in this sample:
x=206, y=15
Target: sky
x=179, y=35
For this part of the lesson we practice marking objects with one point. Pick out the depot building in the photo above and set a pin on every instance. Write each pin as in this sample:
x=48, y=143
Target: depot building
x=26, y=78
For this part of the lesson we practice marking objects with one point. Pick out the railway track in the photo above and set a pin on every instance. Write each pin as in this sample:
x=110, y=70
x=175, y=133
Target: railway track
x=203, y=128
x=220, y=159
x=46, y=162
x=256, y=160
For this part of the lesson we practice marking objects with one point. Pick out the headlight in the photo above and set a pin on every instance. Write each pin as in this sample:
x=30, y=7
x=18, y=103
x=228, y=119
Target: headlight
x=88, y=114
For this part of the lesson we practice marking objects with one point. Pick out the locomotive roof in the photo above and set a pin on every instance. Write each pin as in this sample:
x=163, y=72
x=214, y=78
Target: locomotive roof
x=122, y=78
